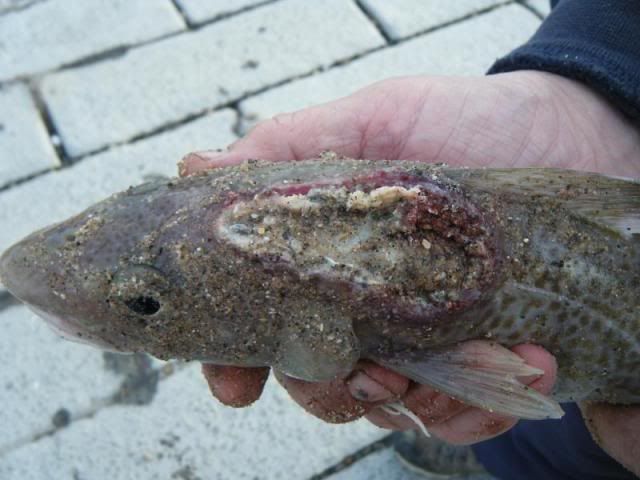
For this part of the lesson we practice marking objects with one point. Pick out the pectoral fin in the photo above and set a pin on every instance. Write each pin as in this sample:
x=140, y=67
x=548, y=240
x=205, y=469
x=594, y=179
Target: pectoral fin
x=481, y=374
x=317, y=355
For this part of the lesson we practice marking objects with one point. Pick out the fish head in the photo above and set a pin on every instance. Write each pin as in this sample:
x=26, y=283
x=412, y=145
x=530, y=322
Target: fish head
x=94, y=278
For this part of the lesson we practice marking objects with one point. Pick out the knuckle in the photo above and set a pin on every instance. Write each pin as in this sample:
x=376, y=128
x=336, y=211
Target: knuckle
x=329, y=401
x=432, y=407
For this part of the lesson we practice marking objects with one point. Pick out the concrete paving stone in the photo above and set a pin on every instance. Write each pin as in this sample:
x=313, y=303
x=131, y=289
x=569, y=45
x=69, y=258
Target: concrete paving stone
x=380, y=465
x=185, y=434
x=541, y=6
x=467, y=48
x=57, y=195
x=383, y=465
x=169, y=80
x=31, y=42
x=402, y=18
x=43, y=373
x=25, y=148
x=198, y=11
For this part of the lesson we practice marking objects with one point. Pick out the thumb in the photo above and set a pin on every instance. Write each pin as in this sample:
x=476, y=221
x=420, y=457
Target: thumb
x=289, y=136
x=616, y=428
x=235, y=386
x=375, y=122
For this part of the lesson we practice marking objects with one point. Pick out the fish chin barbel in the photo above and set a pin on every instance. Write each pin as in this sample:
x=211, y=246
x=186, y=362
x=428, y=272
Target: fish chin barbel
x=310, y=266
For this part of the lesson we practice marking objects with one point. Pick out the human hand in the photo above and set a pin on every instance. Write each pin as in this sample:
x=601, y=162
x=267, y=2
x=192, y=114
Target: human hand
x=616, y=428
x=510, y=120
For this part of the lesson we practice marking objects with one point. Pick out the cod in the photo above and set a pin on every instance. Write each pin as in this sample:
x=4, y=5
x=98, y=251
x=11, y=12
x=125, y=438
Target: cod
x=309, y=266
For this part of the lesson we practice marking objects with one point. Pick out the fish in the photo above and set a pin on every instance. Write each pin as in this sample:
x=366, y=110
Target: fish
x=310, y=266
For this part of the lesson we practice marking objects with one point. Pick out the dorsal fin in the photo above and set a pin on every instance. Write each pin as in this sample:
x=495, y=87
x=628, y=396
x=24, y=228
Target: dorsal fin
x=611, y=202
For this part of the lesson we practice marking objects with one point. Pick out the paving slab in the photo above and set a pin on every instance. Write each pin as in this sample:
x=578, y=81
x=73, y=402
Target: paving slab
x=402, y=18
x=43, y=375
x=382, y=465
x=31, y=42
x=185, y=434
x=57, y=195
x=169, y=80
x=25, y=148
x=198, y=11
x=467, y=48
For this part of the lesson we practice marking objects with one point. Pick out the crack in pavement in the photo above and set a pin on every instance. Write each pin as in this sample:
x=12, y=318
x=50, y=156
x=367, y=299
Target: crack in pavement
x=346, y=462
x=120, y=50
x=375, y=21
x=18, y=6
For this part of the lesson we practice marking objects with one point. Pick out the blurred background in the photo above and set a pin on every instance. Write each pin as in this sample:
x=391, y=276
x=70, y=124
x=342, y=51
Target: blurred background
x=97, y=95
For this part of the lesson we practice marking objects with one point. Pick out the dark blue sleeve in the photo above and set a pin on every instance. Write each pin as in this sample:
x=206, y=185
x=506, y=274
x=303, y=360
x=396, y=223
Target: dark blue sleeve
x=550, y=450
x=594, y=41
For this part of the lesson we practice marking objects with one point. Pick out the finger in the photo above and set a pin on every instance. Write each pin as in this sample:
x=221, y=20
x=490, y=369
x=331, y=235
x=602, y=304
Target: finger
x=475, y=424
x=369, y=383
x=459, y=422
x=234, y=386
x=471, y=426
x=382, y=419
x=429, y=405
x=373, y=123
x=202, y=161
x=196, y=161
x=344, y=400
x=616, y=428
x=289, y=136
x=538, y=357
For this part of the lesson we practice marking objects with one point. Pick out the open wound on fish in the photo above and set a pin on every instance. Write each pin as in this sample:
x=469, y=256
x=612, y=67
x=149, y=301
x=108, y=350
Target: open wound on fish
x=384, y=231
x=482, y=374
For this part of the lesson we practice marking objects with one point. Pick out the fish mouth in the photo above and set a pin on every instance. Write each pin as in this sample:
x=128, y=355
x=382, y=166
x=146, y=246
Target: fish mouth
x=17, y=277
x=71, y=331
x=25, y=270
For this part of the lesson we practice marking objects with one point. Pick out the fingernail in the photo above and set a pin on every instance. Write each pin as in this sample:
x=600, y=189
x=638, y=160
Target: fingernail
x=363, y=387
x=196, y=161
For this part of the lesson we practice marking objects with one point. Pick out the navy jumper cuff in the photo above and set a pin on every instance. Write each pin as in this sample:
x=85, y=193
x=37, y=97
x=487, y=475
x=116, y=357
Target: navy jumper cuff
x=593, y=41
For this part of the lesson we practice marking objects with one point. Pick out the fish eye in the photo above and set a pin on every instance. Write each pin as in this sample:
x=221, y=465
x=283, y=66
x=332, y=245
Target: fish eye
x=143, y=304
x=140, y=289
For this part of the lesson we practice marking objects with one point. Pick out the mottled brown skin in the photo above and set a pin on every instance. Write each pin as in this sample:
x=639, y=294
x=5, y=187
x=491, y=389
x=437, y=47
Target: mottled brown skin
x=149, y=270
